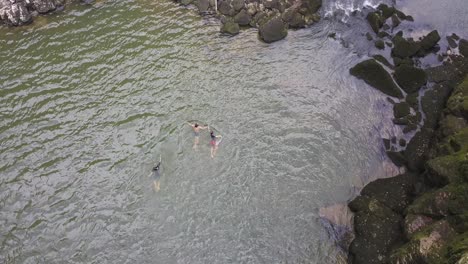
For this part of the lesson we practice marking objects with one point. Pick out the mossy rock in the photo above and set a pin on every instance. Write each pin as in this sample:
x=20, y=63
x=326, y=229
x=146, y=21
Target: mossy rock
x=401, y=109
x=416, y=150
x=457, y=250
x=377, y=228
x=380, y=44
x=449, y=168
x=433, y=102
x=387, y=11
x=426, y=246
x=394, y=192
x=457, y=104
x=404, y=48
x=397, y=158
x=375, y=20
x=376, y=76
x=414, y=223
x=243, y=18
x=432, y=204
x=406, y=61
x=463, y=47
x=410, y=78
x=230, y=27
x=430, y=40
x=383, y=60
x=451, y=124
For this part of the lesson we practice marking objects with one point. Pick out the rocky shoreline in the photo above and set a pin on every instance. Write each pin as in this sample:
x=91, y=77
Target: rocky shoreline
x=273, y=18
x=420, y=216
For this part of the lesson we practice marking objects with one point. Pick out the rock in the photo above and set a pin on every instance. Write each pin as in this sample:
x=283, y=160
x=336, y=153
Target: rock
x=225, y=8
x=395, y=21
x=386, y=10
x=407, y=61
x=463, y=47
x=426, y=246
x=382, y=60
x=380, y=44
x=457, y=104
x=450, y=125
x=433, y=204
x=397, y=158
x=252, y=8
x=230, y=27
x=451, y=42
x=415, y=152
x=43, y=6
x=271, y=4
x=186, y=2
x=375, y=21
x=414, y=223
x=377, y=228
x=273, y=30
x=313, y=5
x=429, y=41
x=203, y=5
x=433, y=103
x=410, y=78
x=402, y=142
x=297, y=21
x=401, y=109
x=386, y=143
x=441, y=73
x=243, y=18
x=394, y=192
x=404, y=48
x=237, y=4
x=447, y=169
x=369, y=36
x=383, y=34
x=376, y=76
x=412, y=100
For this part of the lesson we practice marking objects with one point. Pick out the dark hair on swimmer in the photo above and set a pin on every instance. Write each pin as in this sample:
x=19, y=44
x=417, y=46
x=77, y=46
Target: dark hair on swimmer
x=196, y=125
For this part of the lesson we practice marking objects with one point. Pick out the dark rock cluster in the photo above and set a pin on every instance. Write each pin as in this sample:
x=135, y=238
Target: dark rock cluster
x=273, y=18
x=20, y=12
x=420, y=216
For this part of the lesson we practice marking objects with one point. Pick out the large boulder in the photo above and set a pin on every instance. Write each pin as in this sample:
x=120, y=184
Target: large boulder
x=430, y=40
x=376, y=76
x=15, y=13
x=426, y=246
x=403, y=48
x=230, y=27
x=377, y=228
x=394, y=192
x=463, y=47
x=433, y=204
x=415, y=152
x=273, y=29
x=43, y=6
x=401, y=109
x=243, y=18
x=410, y=78
x=203, y=5
x=457, y=104
x=225, y=8
x=238, y=5
x=387, y=11
x=433, y=103
x=375, y=20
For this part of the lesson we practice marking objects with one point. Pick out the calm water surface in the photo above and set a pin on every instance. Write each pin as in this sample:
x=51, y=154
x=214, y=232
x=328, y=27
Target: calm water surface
x=92, y=96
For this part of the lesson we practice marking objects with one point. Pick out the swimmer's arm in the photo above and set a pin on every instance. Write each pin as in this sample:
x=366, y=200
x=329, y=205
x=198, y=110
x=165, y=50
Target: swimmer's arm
x=219, y=136
x=189, y=124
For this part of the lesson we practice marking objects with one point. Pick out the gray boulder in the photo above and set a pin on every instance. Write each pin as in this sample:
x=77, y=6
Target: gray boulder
x=273, y=29
x=237, y=4
x=230, y=27
x=203, y=5
x=243, y=18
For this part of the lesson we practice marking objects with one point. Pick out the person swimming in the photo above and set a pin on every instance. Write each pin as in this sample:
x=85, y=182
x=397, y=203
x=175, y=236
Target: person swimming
x=214, y=142
x=157, y=176
x=196, y=132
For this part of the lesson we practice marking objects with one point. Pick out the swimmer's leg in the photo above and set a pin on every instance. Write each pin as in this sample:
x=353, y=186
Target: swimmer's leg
x=156, y=185
x=195, y=142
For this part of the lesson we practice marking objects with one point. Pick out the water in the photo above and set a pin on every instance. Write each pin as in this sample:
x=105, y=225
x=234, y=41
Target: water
x=92, y=96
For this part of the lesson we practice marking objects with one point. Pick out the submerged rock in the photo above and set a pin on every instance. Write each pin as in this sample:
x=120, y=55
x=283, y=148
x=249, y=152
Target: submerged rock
x=375, y=21
x=230, y=27
x=410, y=78
x=417, y=148
x=376, y=76
x=273, y=29
x=429, y=41
x=243, y=18
x=463, y=47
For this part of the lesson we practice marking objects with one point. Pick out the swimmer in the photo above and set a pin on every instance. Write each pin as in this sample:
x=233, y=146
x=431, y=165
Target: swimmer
x=214, y=143
x=196, y=132
x=157, y=176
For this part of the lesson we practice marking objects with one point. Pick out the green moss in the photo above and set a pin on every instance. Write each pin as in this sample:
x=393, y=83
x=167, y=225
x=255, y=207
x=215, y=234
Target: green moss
x=375, y=21
x=458, y=101
x=457, y=248
x=429, y=41
x=401, y=110
x=404, y=48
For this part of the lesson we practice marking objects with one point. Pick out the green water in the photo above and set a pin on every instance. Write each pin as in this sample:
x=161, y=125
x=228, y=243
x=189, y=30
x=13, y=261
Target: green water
x=92, y=96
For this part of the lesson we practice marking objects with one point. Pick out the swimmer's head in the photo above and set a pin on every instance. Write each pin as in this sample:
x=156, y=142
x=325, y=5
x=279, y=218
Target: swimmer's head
x=196, y=125
x=212, y=133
